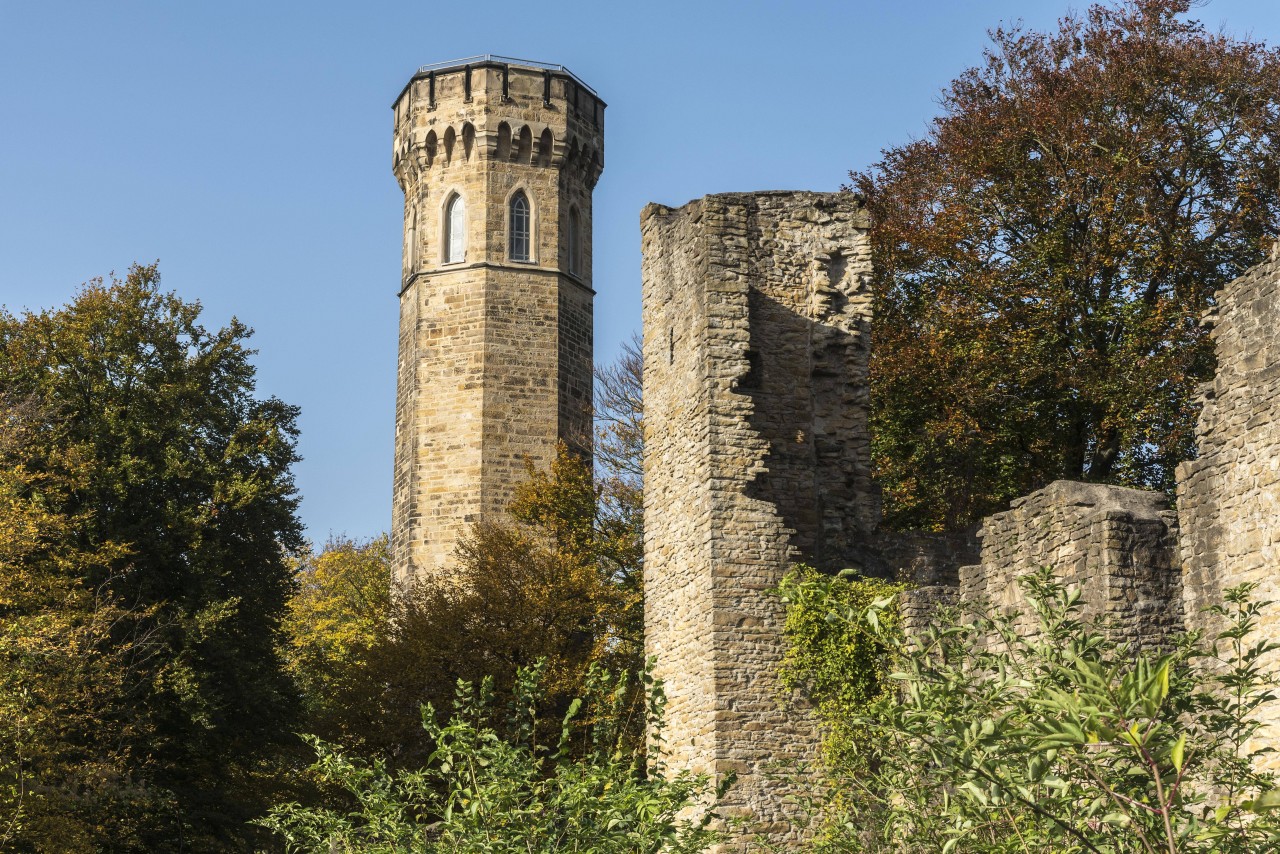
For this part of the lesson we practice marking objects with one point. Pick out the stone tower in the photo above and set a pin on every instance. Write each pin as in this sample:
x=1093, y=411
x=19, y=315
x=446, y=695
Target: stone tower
x=757, y=312
x=497, y=158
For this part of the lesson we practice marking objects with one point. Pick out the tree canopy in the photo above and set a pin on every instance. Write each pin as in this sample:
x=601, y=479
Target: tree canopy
x=177, y=481
x=1044, y=254
x=557, y=582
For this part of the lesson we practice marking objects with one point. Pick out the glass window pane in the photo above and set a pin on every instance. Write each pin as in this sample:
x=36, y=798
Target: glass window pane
x=455, y=230
x=519, y=227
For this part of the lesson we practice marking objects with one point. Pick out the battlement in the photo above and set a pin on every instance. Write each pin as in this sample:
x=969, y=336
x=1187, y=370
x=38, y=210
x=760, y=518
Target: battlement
x=497, y=60
x=498, y=109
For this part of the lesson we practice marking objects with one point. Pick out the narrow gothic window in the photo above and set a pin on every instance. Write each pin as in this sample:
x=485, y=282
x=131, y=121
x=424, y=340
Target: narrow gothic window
x=411, y=243
x=519, y=227
x=574, y=241
x=455, y=230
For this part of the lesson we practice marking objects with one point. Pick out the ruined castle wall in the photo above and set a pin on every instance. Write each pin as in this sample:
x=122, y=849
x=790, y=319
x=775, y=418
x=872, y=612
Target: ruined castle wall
x=677, y=482
x=1229, y=498
x=1118, y=546
x=757, y=314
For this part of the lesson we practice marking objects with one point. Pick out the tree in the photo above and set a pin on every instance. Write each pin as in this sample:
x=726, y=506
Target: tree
x=559, y=581
x=64, y=755
x=619, y=458
x=554, y=583
x=189, y=475
x=619, y=412
x=341, y=612
x=1043, y=256
x=1055, y=741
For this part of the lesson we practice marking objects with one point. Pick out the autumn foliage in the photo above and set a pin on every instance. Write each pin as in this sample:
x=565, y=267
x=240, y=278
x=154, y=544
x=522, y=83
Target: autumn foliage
x=1044, y=254
x=147, y=510
x=557, y=582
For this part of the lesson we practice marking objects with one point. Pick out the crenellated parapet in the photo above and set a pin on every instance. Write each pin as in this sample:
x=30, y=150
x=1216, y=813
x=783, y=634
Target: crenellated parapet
x=499, y=110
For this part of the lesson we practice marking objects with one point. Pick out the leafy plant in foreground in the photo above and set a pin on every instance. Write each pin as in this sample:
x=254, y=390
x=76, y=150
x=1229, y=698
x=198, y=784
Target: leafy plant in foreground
x=1060, y=740
x=490, y=786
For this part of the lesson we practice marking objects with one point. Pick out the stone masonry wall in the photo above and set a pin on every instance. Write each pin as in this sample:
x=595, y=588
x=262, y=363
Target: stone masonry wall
x=756, y=331
x=1117, y=545
x=1229, y=498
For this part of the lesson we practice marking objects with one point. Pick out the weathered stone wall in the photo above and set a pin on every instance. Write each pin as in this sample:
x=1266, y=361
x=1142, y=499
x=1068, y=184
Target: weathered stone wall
x=923, y=558
x=756, y=327
x=1117, y=546
x=495, y=353
x=1229, y=498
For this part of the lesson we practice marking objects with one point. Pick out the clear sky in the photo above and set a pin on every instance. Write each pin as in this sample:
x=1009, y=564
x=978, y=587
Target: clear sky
x=247, y=146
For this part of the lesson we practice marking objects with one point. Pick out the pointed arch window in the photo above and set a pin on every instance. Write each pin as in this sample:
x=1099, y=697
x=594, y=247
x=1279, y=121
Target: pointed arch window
x=519, y=221
x=455, y=230
x=575, y=242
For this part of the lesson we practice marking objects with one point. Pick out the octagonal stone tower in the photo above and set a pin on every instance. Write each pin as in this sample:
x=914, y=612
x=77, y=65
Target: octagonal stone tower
x=497, y=158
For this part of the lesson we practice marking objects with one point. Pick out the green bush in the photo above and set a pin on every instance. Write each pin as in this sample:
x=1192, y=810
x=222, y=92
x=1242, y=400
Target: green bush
x=1059, y=740
x=491, y=787
x=838, y=662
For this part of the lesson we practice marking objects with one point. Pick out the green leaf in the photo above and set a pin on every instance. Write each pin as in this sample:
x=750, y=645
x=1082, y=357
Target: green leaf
x=1265, y=802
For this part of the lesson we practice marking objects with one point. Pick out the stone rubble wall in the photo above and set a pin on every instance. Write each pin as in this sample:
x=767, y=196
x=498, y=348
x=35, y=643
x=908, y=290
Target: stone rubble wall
x=1117, y=546
x=1229, y=497
x=923, y=558
x=756, y=330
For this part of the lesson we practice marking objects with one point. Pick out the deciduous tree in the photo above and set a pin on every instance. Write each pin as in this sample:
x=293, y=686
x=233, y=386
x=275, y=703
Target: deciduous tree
x=1044, y=254
x=548, y=584
x=558, y=580
x=340, y=614
x=65, y=731
x=187, y=472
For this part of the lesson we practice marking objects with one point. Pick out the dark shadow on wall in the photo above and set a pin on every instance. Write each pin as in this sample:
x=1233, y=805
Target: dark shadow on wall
x=808, y=384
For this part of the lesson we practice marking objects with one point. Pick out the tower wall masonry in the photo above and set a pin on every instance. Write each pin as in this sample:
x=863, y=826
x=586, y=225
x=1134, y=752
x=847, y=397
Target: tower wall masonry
x=1229, y=497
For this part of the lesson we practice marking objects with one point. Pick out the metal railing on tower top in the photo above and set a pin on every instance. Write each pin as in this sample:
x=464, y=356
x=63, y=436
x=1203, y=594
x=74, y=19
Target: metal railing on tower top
x=498, y=59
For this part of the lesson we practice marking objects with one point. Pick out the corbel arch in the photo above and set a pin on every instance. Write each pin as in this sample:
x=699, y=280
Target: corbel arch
x=546, y=147
x=524, y=151
x=468, y=140
x=450, y=138
x=504, y=142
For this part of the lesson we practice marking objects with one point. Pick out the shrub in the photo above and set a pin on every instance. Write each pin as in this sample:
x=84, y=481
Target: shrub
x=1060, y=740
x=839, y=663
x=491, y=787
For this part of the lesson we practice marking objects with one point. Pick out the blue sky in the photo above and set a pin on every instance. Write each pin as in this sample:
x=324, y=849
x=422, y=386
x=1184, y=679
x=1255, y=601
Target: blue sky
x=247, y=146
